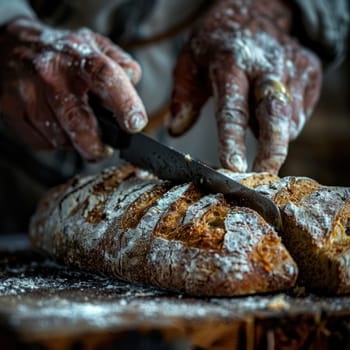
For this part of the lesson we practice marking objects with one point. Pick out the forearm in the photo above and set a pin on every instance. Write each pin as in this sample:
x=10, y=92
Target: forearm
x=10, y=10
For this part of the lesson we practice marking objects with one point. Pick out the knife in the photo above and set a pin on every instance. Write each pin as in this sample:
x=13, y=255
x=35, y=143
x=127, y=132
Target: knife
x=170, y=164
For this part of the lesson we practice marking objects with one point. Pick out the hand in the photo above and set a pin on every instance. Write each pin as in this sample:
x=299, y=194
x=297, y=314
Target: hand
x=46, y=75
x=241, y=53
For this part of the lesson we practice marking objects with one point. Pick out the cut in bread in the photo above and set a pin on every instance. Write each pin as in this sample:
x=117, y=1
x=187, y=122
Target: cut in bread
x=317, y=232
x=145, y=230
x=316, y=228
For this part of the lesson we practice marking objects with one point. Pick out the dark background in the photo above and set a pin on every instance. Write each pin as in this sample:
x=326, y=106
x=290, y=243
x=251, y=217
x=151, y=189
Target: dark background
x=322, y=151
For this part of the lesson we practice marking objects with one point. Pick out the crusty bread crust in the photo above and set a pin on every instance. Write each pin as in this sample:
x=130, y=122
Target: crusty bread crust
x=317, y=234
x=316, y=221
x=145, y=230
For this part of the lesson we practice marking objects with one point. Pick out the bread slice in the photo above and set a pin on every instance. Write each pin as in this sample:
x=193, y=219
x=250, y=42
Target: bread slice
x=316, y=228
x=145, y=230
x=317, y=232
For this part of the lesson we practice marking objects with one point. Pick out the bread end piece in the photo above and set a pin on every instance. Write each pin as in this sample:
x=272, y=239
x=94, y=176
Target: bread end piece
x=317, y=233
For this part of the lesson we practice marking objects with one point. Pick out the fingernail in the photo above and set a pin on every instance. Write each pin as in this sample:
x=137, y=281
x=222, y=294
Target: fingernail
x=181, y=121
x=131, y=74
x=137, y=122
x=237, y=162
x=109, y=151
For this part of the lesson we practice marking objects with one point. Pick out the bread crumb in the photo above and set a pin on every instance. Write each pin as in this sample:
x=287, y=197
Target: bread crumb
x=188, y=157
x=278, y=303
x=109, y=151
x=143, y=174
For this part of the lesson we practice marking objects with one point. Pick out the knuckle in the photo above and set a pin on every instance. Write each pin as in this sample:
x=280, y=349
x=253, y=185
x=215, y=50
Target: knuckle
x=94, y=66
x=235, y=115
x=85, y=32
x=105, y=43
x=70, y=111
x=45, y=62
x=71, y=37
x=273, y=109
x=311, y=60
x=65, y=105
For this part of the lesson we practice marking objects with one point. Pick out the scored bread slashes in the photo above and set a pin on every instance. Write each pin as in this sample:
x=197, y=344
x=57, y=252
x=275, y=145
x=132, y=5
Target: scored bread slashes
x=130, y=225
x=125, y=223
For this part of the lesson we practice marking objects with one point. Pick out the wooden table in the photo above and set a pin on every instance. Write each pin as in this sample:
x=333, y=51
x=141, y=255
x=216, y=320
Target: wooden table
x=47, y=306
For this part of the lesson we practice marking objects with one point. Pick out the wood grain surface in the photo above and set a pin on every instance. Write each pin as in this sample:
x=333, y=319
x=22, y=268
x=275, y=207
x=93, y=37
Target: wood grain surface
x=47, y=306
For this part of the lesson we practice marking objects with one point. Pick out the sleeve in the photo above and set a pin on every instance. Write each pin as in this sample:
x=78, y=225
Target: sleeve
x=14, y=8
x=322, y=25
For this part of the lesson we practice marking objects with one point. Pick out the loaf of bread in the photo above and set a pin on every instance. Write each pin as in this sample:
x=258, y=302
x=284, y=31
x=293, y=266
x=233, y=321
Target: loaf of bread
x=316, y=227
x=126, y=224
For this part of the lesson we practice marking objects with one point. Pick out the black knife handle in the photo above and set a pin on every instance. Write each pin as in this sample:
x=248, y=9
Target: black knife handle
x=111, y=133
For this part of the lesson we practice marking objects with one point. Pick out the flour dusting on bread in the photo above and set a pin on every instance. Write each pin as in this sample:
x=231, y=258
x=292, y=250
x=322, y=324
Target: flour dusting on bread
x=145, y=230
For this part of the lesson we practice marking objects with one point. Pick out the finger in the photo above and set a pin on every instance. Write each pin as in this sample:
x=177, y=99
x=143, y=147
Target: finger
x=108, y=81
x=131, y=68
x=230, y=89
x=273, y=114
x=67, y=99
x=117, y=54
x=78, y=121
x=188, y=96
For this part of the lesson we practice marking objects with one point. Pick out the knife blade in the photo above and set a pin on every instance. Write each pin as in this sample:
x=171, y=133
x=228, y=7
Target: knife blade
x=169, y=164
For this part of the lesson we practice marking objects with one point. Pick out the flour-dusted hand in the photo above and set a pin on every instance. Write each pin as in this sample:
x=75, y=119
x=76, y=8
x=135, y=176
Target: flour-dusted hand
x=242, y=54
x=46, y=75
